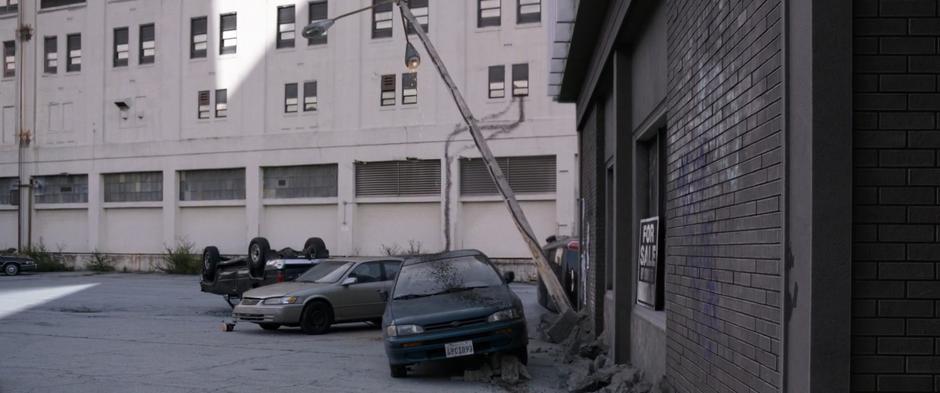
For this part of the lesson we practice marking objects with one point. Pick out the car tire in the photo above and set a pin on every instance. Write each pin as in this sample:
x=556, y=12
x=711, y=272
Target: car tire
x=210, y=263
x=11, y=269
x=398, y=371
x=270, y=326
x=258, y=252
x=316, y=318
x=315, y=247
x=523, y=355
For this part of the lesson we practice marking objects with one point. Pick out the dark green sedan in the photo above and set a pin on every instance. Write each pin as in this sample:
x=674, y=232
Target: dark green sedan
x=452, y=305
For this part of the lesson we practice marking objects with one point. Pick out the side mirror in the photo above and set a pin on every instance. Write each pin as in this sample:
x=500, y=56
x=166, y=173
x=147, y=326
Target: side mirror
x=509, y=277
x=350, y=281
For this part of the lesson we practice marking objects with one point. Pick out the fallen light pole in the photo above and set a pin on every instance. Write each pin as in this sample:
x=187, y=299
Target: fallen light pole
x=552, y=285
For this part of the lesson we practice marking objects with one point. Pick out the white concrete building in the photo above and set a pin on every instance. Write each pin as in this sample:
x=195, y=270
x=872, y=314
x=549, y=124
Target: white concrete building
x=214, y=121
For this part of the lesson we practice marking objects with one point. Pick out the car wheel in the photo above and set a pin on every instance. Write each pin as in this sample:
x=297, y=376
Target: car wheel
x=210, y=263
x=258, y=252
x=11, y=269
x=270, y=326
x=523, y=355
x=317, y=318
x=398, y=371
x=315, y=247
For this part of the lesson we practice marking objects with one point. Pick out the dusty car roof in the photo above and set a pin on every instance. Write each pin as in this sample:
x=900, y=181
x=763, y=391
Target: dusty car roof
x=360, y=259
x=413, y=260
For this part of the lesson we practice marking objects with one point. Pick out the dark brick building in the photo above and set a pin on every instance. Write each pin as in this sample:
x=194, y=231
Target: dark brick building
x=786, y=154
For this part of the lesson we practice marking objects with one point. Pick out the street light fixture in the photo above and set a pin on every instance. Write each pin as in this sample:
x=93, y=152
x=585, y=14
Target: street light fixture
x=412, y=61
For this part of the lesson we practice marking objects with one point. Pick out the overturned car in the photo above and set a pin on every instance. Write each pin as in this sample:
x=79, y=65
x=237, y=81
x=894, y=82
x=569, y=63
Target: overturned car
x=231, y=277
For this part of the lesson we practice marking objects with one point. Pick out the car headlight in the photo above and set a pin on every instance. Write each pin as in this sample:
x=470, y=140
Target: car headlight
x=504, y=315
x=403, y=330
x=277, y=264
x=281, y=300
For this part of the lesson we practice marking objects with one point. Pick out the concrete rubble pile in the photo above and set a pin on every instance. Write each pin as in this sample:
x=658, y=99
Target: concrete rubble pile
x=499, y=369
x=585, y=365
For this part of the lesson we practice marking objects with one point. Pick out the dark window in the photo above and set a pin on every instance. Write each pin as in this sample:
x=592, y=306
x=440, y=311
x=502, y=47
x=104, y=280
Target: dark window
x=528, y=174
x=9, y=192
x=51, y=49
x=133, y=187
x=8, y=7
x=61, y=189
x=497, y=78
x=650, y=209
x=528, y=11
x=391, y=270
x=290, y=98
x=212, y=185
x=318, y=11
x=382, y=20
x=388, y=90
x=520, y=80
x=221, y=103
x=398, y=178
x=203, y=105
x=310, y=96
x=420, y=10
x=367, y=272
x=199, y=37
x=9, y=59
x=148, y=44
x=122, y=49
x=59, y=3
x=228, y=31
x=409, y=88
x=73, y=43
x=490, y=13
x=307, y=181
x=285, y=27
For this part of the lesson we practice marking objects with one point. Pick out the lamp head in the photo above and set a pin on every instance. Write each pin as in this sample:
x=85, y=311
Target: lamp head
x=317, y=28
x=412, y=58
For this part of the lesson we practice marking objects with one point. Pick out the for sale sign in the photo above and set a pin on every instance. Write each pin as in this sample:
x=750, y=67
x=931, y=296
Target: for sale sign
x=648, y=263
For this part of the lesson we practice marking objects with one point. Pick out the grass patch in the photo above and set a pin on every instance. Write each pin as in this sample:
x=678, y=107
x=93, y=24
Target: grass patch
x=46, y=261
x=99, y=262
x=181, y=260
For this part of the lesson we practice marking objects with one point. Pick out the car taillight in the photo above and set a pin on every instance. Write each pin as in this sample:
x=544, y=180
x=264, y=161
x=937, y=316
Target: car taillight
x=280, y=276
x=574, y=245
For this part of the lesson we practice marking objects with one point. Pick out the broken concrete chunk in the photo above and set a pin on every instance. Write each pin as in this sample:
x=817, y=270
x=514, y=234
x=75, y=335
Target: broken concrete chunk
x=484, y=374
x=561, y=327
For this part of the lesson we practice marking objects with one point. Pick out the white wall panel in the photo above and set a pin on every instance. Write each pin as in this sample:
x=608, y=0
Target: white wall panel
x=223, y=227
x=390, y=224
x=61, y=229
x=146, y=225
x=486, y=226
x=290, y=226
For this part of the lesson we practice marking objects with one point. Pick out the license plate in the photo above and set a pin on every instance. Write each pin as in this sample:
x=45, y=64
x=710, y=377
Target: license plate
x=458, y=349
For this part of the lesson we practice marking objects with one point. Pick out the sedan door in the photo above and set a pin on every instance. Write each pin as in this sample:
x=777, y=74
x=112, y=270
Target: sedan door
x=362, y=300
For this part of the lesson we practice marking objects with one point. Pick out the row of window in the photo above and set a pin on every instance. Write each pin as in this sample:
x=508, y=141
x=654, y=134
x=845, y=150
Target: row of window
x=73, y=51
x=387, y=97
x=146, y=48
x=529, y=174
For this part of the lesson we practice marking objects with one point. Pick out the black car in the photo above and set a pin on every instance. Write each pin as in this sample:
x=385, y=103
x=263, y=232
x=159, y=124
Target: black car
x=452, y=305
x=230, y=277
x=563, y=254
x=14, y=264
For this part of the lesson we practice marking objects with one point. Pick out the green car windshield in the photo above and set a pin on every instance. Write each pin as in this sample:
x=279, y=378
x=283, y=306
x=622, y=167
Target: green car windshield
x=445, y=276
x=326, y=272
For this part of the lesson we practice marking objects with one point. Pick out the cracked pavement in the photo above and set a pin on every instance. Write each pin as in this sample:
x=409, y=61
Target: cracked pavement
x=158, y=333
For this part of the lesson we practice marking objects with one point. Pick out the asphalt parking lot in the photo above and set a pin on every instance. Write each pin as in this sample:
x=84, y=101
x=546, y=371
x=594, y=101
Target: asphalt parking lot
x=75, y=332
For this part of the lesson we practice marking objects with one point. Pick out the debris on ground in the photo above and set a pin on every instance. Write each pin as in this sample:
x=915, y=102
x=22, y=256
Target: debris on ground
x=499, y=368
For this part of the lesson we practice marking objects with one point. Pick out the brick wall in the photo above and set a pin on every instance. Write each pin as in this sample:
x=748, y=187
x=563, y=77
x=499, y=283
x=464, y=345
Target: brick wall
x=592, y=190
x=724, y=173
x=896, y=312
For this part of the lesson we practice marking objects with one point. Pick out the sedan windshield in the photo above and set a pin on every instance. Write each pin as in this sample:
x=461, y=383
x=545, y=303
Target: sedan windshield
x=445, y=276
x=326, y=272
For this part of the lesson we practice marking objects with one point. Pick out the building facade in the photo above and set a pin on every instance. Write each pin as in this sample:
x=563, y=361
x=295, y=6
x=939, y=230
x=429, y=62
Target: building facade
x=760, y=189
x=215, y=121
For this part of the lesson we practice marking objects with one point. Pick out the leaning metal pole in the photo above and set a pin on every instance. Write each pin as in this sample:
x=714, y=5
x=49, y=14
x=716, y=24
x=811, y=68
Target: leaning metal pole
x=554, y=288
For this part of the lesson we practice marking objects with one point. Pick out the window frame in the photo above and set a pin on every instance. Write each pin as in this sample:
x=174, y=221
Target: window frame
x=517, y=71
x=107, y=181
x=224, y=48
x=46, y=67
x=495, y=77
x=116, y=42
x=384, y=32
x=409, y=81
x=142, y=48
x=280, y=42
x=489, y=21
x=204, y=106
x=288, y=87
x=71, y=65
x=9, y=59
x=316, y=101
x=312, y=8
x=198, y=36
x=386, y=81
x=221, y=112
x=524, y=18
x=420, y=11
